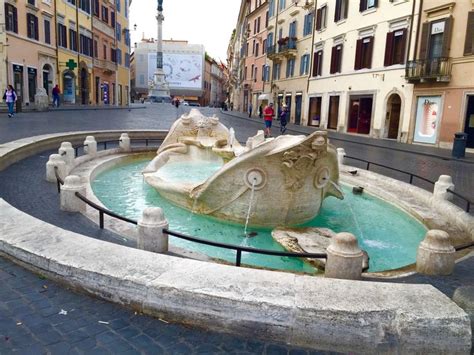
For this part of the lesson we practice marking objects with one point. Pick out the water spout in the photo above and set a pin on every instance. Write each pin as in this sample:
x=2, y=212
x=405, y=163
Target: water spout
x=231, y=137
x=252, y=193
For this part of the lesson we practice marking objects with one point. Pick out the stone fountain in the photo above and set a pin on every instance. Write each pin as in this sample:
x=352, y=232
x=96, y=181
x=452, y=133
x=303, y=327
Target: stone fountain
x=285, y=179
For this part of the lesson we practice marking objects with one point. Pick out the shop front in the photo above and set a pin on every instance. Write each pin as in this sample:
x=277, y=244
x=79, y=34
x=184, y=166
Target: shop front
x=360, y=114
x=428, y=114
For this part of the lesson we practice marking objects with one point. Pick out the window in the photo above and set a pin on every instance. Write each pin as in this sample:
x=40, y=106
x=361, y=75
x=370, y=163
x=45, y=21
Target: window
x=304, y=65
x=252, y=72
x=282, y=5
x=336, y=59
x=105, y=14
x=125, y=8
x=276, y=71
x=255, y=26
x=256, y=49
x=96, y=8
x=85, y=45
x=314, y=118
x=112, y=19
x=395, y=47
x=113, y=55
x=270, y=40
x=266, y=19
x=85, y=5
x=469, y=41
x=258, y=24
x=263, y=72
x=363, y=58
x=47, y=31
x=341, y=10
x=292, y=30
x=321, y=16
x=105, y=51
x=266, y=73
x=308, y=24
x=117, y=5
x=290, y=68
x=127, y=60
x=264, y=46
x=436, y=39
x=318, y=63
x=118, y=29
x=72, y=2
x=62, y=35
x=253, y=47
x=367, y=4
x=245, y=73
x=32, y=26
x=31, y=2
x=118, y=55
x=271, y=9
x=255, y=74
x=96, y=49
x=11, y=18
x=247, y=45
x=72, y=40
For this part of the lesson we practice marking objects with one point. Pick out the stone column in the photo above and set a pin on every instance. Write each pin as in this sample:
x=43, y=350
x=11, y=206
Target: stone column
x=341, y=154
x=69, y=201
x=435, y=255
x=150, y=231
x=344, y=258
x=441, y=186
x=90, y=146
x=124, y=142
x=67, y=152
x=55, y=160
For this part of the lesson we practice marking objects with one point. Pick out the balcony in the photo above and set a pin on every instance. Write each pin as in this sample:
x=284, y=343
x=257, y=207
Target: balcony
x=106, y=65
x=427, y=70
x=288, y=48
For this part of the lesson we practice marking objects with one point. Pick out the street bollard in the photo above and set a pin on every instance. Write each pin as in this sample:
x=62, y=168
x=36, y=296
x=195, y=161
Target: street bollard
x=150, y=231
x=435, y=254
x=441, y=186
x=55, y=161
x=341, y=155
x=69, y=201
x=90, y=146
x=344, y=258
x=67, y=152
x=124, y=142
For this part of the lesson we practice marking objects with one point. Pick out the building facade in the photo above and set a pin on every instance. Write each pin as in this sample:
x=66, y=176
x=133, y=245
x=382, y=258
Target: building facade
x=218, y=90
x=289, y=44
x=442, y=72
x=357, y=83
x=31, y=63
x=122, y=48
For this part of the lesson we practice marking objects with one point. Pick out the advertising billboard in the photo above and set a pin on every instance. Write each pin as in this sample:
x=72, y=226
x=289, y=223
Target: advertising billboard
x=427, y=119
x=183, y=71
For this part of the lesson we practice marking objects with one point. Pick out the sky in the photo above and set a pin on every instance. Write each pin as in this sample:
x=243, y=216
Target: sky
x=207, y=22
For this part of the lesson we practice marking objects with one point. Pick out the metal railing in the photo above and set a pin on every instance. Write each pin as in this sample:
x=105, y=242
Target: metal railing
x=435, y=69
x=368, y=164
x=116, y=142
x=287, y=46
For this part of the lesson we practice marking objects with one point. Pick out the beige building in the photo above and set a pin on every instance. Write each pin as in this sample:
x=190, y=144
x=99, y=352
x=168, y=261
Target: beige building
x=289, y=43
x=31, y=62
x=443, y=74
x=3, y=48
x=357, y=82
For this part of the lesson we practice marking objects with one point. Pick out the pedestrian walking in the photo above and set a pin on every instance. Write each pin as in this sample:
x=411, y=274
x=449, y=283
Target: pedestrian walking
x=10, y=98
x=283, y=118
x=250, y=110
x=176, y=104
x=268, y=114
x=56, y=97
x=260, y=111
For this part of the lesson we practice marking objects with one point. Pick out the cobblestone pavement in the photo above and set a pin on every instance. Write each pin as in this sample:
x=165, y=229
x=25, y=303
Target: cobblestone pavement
x=29, y=305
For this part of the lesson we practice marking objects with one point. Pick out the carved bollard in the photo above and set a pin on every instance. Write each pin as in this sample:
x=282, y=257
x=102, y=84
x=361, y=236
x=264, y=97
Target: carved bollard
x=69, y=201
x=55, y=161
x=441, y=186
x=150, y=231
x=124, y=142
x=67, y=152
x=90, y=146
x=344, y=258
x=341, y=154
x=435, y=254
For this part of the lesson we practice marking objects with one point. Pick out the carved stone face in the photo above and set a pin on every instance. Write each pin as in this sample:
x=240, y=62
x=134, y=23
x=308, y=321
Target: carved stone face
x=318, y=143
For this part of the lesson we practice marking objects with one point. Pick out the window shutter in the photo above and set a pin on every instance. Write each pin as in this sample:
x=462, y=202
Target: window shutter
x=376, y=3
x=337, y=12
x=15, y=20
x=404, y=46
x=320, y=63
x=333, y=60
x=362, y=5
x=318, y=19
x=425, y=36
x=358, y=56
x=388, y=60
x=468, y=44
x=448, y=27
x=36, y=28
x=370, y=51
x=346, y=7
x=315, y=64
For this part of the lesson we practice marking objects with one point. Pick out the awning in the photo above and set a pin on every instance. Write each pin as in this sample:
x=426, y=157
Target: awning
x=264, y=97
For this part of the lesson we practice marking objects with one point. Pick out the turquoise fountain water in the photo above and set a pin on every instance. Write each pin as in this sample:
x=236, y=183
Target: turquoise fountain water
x=389, y=235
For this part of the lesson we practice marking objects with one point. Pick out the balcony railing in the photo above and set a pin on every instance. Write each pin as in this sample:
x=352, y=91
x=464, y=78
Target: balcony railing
x=436, y=69
x=105, y=64
x=288, y=46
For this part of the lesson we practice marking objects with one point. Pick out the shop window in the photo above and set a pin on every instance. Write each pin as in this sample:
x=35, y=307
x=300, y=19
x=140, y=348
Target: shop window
x=314, y=111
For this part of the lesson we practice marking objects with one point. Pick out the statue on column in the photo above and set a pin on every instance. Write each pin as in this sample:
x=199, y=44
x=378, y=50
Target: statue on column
x=160, y=5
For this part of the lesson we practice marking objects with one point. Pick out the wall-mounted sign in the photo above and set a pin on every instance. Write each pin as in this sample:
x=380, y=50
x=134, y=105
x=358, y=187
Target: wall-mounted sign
x=427, y=119
x=437, y=27
x=17, y=68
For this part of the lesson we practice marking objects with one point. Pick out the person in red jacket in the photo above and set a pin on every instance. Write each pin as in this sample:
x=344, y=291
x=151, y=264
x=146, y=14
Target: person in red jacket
x=268, y=113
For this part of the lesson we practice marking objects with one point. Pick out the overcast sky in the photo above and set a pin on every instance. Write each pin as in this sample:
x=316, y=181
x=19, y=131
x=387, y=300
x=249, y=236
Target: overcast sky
x=207, y=22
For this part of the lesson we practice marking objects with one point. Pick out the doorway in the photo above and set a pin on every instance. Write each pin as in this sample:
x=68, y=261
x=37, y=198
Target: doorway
x=288, y=107
x=469, y=125
x=360, y=114
x=298, y=103
x=333, y=112
x=394, y=104
x=97, y=88
x=18, y=80
x=47, y=78
x=69, y=87
x=84, y=87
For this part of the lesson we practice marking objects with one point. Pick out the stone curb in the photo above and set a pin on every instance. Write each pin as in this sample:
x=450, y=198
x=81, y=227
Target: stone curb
x=302, y=310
